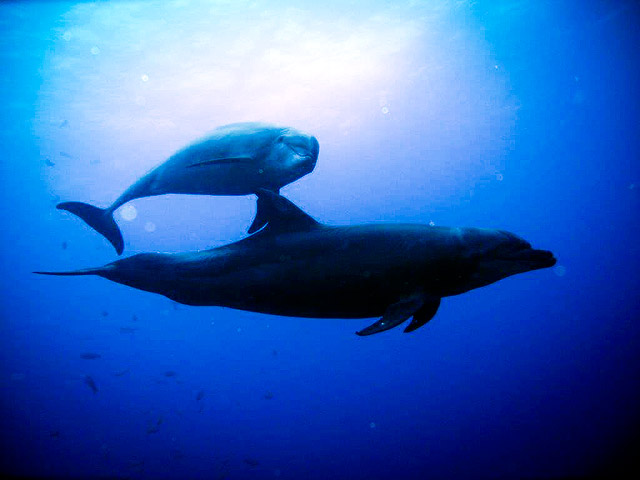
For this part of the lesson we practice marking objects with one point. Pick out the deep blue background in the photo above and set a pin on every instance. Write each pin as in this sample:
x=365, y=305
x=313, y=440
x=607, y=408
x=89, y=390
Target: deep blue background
x=537, y=375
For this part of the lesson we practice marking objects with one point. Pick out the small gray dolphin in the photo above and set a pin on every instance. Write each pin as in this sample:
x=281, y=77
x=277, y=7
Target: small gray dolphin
x=236, y=159
x=298, y=267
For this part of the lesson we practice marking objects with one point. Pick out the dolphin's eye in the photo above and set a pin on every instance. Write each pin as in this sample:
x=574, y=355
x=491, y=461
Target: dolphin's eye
x=280, y=140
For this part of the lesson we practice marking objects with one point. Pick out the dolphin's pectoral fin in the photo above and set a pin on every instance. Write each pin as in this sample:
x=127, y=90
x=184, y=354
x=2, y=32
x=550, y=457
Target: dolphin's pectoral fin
x=422, y=316
x=395, y=315
x=280, y=214
x=223, y=161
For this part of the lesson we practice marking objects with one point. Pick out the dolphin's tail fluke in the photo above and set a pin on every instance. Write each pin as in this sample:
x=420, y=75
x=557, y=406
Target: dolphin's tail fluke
x=101, y=220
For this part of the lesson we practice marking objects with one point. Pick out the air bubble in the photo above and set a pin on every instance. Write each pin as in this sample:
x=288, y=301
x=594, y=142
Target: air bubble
x=150, y=227
x=128, y=213
x=560, y=270
x=95, y=51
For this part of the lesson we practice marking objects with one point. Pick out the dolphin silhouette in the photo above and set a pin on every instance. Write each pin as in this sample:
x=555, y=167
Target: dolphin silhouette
x=298, y=267
x=236, y=159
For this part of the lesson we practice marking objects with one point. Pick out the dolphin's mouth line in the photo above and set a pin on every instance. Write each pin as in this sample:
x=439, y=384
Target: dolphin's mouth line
x=543, y=258
x=298, y=150
x=302, y=152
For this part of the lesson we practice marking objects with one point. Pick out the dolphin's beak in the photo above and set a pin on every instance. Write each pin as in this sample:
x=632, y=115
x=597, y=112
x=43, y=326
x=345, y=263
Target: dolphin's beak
x=519, y=251
x=307, y=150
x=314, y=148
x=530, y=258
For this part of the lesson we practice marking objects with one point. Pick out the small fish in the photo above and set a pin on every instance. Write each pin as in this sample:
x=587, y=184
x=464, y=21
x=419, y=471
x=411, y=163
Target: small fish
x=49, y=163
x=127, y=330
x=54, y=434
x=104, y=450
x=153, y=429
x=274, y=352
x=64, y=245
x=136, y=464
x=200, y=395
x=105, y=313
x=65, y=154
x=176, y=454
x=90, y=356
x=170, y=373
x=160, y=420
x=268, y=395
x=134, y=318
x=92, y=385
x=64, y=123
x=252, y=462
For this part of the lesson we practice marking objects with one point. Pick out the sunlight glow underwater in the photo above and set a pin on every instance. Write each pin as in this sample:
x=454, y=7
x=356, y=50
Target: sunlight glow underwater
x=144, y=80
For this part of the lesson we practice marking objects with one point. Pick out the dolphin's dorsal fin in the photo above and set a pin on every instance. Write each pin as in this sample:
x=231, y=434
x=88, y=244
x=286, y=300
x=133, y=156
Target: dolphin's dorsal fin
x=222, y=161
x=280, y=214
x=261, y=217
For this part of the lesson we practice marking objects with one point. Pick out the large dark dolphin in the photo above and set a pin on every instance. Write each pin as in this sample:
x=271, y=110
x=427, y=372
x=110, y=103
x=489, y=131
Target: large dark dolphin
x=298, y=267
x=236, y=159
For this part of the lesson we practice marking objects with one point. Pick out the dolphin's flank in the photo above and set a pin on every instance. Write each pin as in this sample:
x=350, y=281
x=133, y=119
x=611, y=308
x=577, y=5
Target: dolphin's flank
x=298, y=267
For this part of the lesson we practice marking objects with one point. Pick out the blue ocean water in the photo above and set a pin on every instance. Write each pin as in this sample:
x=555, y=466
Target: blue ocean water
x=517, y=115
